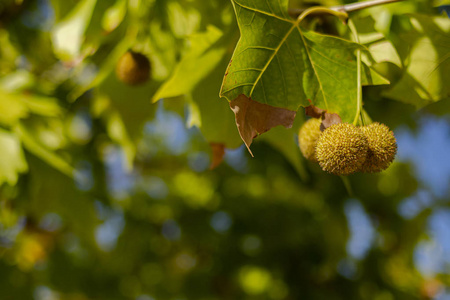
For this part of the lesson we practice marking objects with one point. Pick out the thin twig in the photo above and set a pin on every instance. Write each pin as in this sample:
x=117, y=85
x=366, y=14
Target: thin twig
x=347, y=7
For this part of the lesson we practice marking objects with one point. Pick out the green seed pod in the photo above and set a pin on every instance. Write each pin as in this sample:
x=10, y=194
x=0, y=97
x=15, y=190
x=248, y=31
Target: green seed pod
x=133, y=68
x=307, y=138
x=341, y=149
x=382, y=147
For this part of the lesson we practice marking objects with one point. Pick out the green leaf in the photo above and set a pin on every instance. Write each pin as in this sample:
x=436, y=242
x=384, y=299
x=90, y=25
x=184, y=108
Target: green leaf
x=68, y=35
x=12, y=160
x=427, y=75
x=188, y=74
x=279, y=63
x=114, y=15
x=215, y=118
x=35, y=147
x=12, y=108
x=16, y=106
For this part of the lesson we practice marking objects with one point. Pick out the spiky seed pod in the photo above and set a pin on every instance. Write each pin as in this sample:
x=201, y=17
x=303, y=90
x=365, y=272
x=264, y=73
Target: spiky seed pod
x=133, y=68
x=382, y=147
x=307, y=138
x=341, y=149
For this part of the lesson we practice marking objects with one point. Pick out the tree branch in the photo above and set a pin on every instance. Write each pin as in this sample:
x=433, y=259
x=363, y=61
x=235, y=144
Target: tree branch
x=348, y=7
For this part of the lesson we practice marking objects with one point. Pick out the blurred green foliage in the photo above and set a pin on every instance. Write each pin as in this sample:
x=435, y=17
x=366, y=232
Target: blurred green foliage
x=105, y=192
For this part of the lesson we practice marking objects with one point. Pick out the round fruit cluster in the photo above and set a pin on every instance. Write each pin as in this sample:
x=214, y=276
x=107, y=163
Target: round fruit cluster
x=343, y=149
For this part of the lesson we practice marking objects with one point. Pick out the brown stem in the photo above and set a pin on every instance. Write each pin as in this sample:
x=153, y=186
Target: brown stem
x=347, y=7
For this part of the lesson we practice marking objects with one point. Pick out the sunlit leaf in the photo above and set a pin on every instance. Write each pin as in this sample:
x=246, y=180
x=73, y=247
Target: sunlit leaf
x=12, y=160
x=114, y=15
x=34, y=146
x=278, y=63
x=68, y=35
x=187, y=74
x=428, y=72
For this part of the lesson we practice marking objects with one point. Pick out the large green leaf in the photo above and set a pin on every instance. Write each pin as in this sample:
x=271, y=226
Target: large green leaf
x=279, y=63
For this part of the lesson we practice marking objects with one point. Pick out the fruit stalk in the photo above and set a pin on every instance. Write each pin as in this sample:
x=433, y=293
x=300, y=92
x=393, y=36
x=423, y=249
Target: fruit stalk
x=347, y=7
x=352, y=27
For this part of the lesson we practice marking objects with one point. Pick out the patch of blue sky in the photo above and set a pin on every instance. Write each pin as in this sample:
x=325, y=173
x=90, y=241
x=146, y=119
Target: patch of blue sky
x=171, y=230
x=40, y=17
x=221, y=221
x=199, y=161
x=411, y=206
x=362, y=231
x=119, y=180
x=428, y=151
x=237, y=159
x=432, y=256
x=169, y=129
x=107, y=233
x=155, y=187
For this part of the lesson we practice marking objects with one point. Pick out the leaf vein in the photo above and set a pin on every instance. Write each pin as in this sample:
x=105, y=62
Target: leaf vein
x=271, y=58
x=313, y=66
x=262, y=12
x=331, y=60
x=255, y=47
x=237, y=86
x=284, y=82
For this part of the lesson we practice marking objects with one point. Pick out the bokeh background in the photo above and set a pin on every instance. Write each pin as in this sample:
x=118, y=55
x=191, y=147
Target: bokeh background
x=106, y=195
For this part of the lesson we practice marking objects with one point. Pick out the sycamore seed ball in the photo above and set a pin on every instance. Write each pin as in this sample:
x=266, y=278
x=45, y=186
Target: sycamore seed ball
x=307, y=138
x=133, y=68
x=341, y=149
x=382, y=147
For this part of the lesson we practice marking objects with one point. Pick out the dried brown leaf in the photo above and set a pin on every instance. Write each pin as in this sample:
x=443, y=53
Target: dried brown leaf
x=314, y=111
x=328, y=120
x=254, y=118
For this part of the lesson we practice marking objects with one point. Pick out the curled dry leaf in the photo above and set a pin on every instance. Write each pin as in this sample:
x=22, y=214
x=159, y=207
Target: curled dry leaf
x=314, y=111
x=254, y=118
x=328, y=120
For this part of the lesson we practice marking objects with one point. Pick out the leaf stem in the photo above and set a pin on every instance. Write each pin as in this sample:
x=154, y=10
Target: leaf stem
x=346, y=8
x=321, y=10
x=352, y=27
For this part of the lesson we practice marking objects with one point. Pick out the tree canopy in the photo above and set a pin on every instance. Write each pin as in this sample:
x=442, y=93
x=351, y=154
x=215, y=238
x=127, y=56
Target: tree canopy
x=128, y=130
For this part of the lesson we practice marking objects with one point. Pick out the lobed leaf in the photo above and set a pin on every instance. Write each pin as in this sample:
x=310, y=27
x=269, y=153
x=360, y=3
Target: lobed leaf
x=279, y=63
